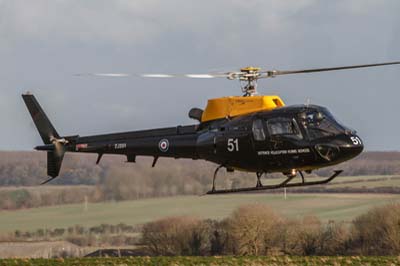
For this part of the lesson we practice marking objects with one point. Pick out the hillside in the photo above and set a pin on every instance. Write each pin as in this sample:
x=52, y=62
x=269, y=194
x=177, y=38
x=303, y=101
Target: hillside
x=29, y=168
x=115, y=180
x=339, y=207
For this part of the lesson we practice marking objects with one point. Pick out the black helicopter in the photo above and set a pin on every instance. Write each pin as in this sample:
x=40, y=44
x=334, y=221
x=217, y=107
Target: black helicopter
x=248, y=133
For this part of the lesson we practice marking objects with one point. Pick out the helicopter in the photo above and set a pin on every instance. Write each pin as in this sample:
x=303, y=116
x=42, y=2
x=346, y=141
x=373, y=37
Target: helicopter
x=251, y=133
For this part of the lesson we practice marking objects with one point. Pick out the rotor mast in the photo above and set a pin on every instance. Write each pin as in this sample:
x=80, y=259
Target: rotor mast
x=249, y=80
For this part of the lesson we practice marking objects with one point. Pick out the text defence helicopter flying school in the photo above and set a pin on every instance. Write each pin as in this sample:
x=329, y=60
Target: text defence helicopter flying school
x=248, y=133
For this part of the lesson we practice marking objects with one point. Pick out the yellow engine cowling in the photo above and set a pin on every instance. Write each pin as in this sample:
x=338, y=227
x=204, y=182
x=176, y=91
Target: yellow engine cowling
x=236, y=105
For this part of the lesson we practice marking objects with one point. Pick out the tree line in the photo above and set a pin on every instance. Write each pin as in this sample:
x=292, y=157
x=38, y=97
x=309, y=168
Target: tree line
x=257, y=230
x=251, y=230
x=99, y=235
x=29, y=168
x=115, y=180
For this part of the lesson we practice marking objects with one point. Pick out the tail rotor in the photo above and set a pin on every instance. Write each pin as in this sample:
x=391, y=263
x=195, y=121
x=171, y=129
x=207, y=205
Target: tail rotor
x=53, y=143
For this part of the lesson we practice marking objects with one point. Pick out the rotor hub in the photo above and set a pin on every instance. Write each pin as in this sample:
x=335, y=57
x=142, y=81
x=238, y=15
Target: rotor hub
x=250, y=69
x=248, y=77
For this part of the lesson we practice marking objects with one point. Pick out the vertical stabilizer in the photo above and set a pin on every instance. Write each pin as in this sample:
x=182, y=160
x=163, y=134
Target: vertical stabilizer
x=46, y=130
x=54, y=145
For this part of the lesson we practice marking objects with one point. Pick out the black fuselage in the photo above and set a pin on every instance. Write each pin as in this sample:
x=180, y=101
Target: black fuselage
x=295, y=137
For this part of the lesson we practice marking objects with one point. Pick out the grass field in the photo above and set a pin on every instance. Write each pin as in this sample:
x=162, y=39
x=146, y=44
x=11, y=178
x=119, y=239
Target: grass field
x=232, y=261
x=367, y=182
x=341, y=207
x=372, y=181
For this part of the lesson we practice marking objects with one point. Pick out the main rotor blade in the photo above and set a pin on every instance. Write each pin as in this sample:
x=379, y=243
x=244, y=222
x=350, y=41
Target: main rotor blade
x=155, y=75
x=112, y=75
x=279, y=72
x=193, y=76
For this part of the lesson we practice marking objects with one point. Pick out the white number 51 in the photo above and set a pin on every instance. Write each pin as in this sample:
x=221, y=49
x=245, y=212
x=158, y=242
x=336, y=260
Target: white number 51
x=356, y=140
x=233, y=145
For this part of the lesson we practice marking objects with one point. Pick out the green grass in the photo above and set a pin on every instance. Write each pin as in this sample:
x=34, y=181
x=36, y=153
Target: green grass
x=342, y=207
x=224, y=260
x=367, y=182
x=357, y=182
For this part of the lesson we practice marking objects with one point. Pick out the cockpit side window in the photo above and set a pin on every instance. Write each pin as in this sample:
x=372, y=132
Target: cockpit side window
x=283, y=126
x=258, y=130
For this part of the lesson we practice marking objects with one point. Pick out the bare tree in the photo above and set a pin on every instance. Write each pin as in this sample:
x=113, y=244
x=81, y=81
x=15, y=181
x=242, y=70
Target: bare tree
x=378, y=231
x=252, y=229
x=309, y=235
x=334, y=239
x=176, y=236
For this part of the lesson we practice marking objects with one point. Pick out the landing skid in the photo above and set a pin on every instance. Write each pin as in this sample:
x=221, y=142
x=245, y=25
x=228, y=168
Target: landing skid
x=283, y=184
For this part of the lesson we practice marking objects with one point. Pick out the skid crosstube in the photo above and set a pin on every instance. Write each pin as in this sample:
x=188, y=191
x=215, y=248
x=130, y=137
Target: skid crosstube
x=284, y=184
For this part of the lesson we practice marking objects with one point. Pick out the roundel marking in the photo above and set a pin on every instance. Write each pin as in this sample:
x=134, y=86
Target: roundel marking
x=163, y=145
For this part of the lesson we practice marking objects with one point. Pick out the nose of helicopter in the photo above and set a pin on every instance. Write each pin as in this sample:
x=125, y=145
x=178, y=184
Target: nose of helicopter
x=342, y=149
x=353, y=147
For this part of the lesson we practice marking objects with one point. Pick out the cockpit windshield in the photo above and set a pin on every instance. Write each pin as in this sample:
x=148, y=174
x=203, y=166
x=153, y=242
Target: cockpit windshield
x=320, y=123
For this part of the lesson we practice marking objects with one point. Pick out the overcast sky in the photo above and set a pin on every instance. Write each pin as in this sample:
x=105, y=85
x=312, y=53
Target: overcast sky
x=44, y=43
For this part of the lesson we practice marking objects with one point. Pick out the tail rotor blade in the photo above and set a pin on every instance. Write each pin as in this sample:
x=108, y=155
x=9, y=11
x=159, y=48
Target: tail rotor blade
x=59, y=149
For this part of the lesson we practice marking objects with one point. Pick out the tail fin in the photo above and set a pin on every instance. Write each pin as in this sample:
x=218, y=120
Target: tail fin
x=42, y=123
x=55, y=148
